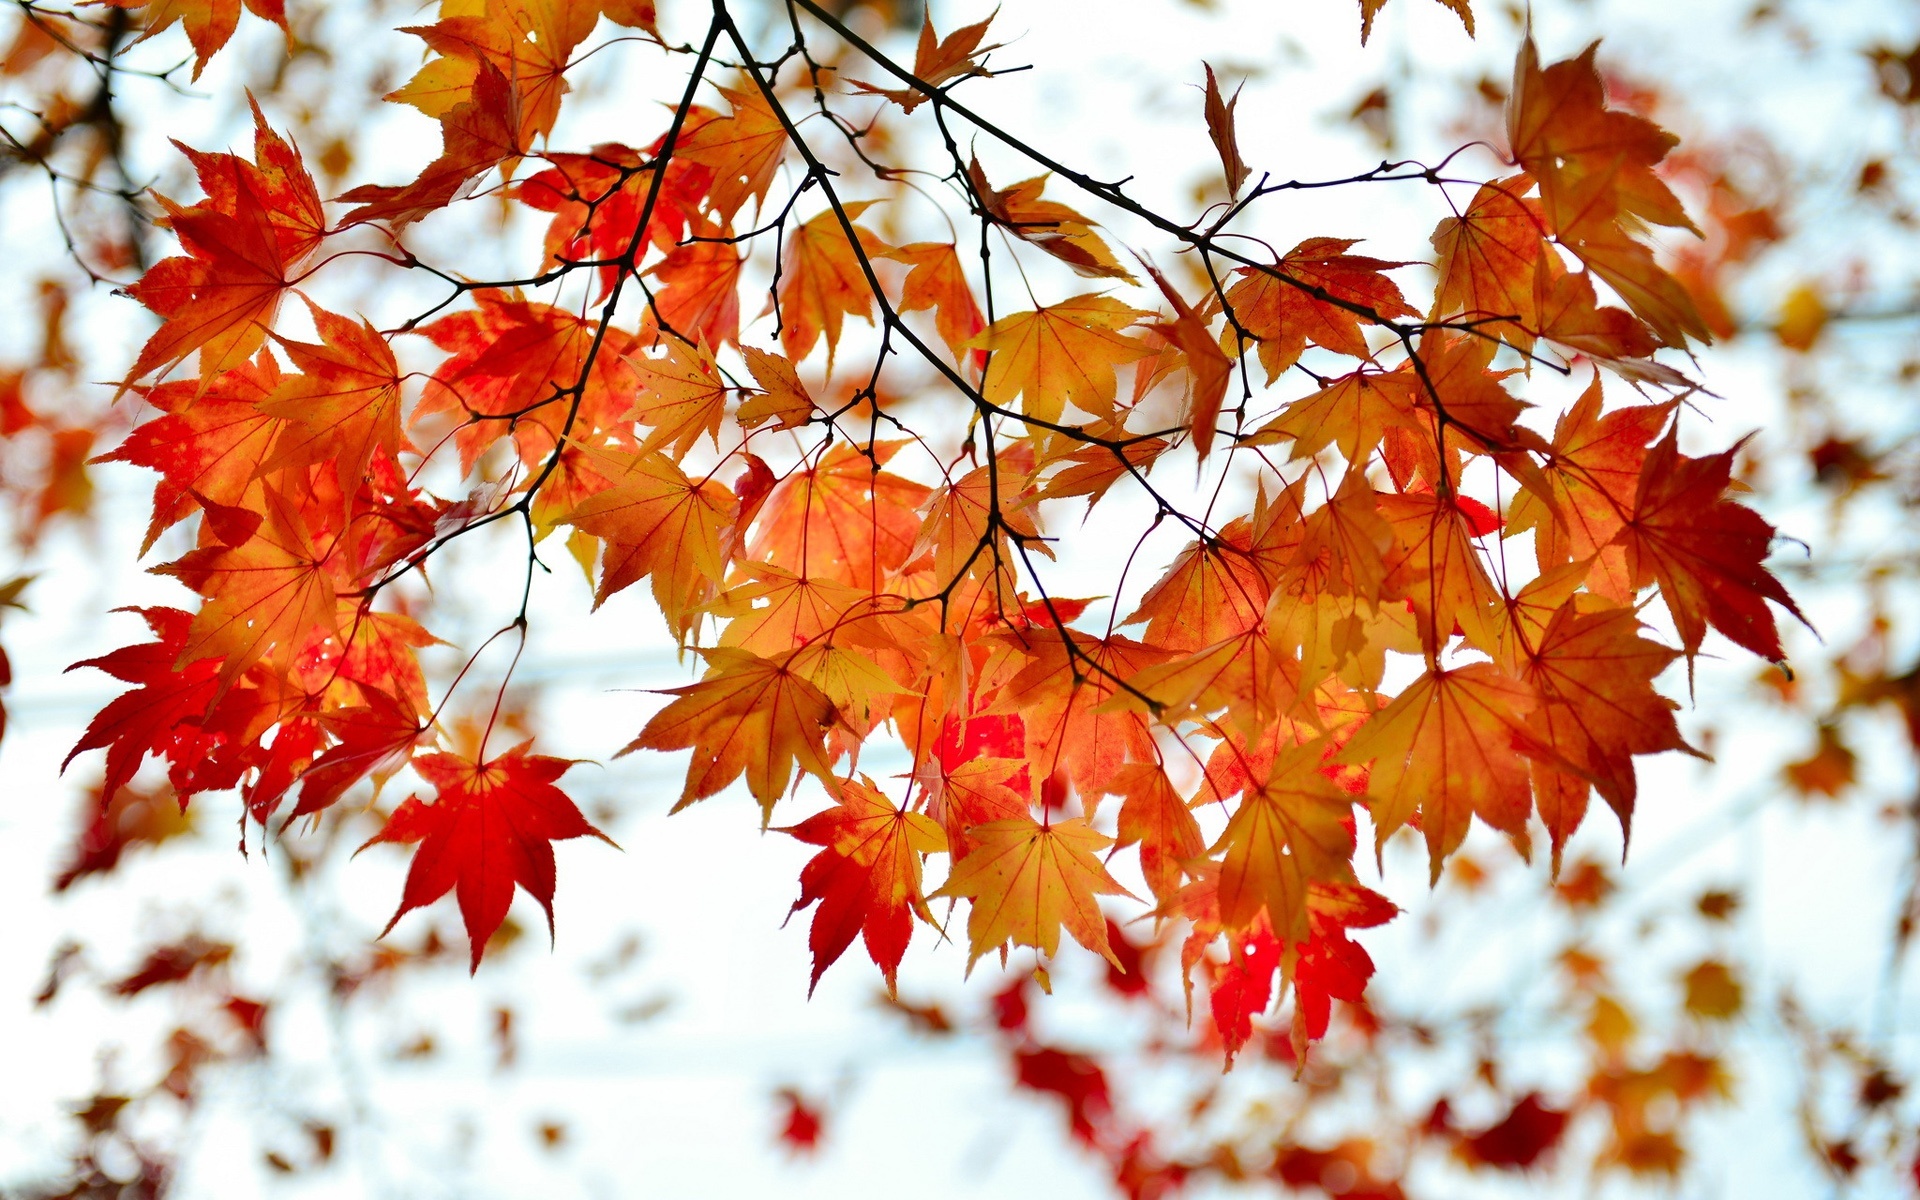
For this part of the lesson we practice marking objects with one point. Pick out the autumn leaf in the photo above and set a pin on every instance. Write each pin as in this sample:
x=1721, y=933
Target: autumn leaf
x=845, y=518
x=743, y=149
x=1352, y=412
x=491, y=826
x=1027, y=881
x=783, y=397
x=1488, y=257
x=244, y=244
x=1371, y=8
x=936, y=281
x=266, y=583
x=681, y=396
x=1208, y=369
x=149, y=718
x=1061, y=354
x=1053, y=227
x=1707, y=553
x=657, y=522
x=1593, y=476
x=1291, y=831
x=207, y=23
x=700, y=294
x=343, y=406
x=1311, y=294
x=1155, y=816
x=938, y=61
x=867, y=879
x=1445, y=747
x=748, y=715
x=209, y=443
x=1593, y=675
x=823, y=281
x=1220, y=129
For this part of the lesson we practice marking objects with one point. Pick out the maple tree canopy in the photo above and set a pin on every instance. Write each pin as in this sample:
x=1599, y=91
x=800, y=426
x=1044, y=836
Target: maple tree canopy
x=854, y=532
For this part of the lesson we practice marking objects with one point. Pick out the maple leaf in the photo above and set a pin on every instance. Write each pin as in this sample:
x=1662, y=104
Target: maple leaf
x=748, y=714
x=1061, y=354
x=1208, y=368
x=1220, y=129
x=682, y=396
x=1048, y=224
x=1371, y=8
x=783, y=397
x=1310, y=295
x=1592, y=476
x=822, y=281
x=938, y=282
x=345, y=404
x=1593, y=674
x=151, y=716
x=1562, y=133
x=743, y=149
x=1435, y=566
x=844, y=519
x=209, y=443
x=938, y=61
x=700, y=299
x=867, y=879
x=1155, y=816
x=1212, y=590
x=1570, y=315
x=1445, y=747
x=207, y=23
x=476, y=135
x=376, y=739
x=512, y=357
x=1353, y=412
x=1089, y=470
x=244, y=244
x=968, y=518
x=1289, y=832
x=266, y=585
x=1487, y=260
x=1706, y=552
x=1063, y=697
x=492, y=825
x=657, y=522
x=1027, y=880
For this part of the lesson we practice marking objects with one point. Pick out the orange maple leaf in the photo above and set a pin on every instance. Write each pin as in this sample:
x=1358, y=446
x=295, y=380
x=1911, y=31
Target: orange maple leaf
x=749, y=714
x=743, y=149
x=844, y=519
x=209, y=442
x=1284, y=314
x=1048, y=224
x=822, y=282
x=1061, y=354
x=345, y=404
x=1289, y=832
x=1445, y=747
x=267, y=585
x=1155, y=816
x=207, y=23
x=1027, y=880
x=657, y=522
x=938, y=282
x=938, y=60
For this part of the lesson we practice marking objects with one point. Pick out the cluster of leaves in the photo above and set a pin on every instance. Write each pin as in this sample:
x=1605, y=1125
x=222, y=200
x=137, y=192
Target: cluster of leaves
x=846, y=584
